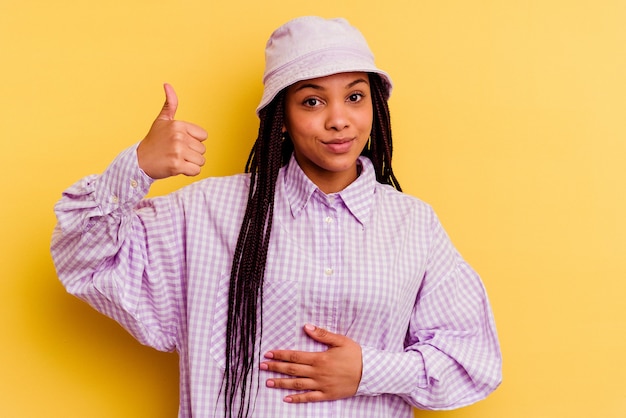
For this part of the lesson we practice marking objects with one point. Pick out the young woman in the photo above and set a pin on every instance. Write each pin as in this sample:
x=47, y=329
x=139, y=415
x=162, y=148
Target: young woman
x=309, y=278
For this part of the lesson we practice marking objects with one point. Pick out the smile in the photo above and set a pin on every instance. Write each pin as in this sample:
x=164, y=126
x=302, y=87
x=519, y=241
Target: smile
x=339, y=145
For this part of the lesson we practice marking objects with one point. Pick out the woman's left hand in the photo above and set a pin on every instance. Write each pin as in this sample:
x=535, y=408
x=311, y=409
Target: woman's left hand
x=327, y=375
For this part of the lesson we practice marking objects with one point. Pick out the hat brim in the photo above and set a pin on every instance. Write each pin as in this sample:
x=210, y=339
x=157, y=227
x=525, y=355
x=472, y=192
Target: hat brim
x=320, y=64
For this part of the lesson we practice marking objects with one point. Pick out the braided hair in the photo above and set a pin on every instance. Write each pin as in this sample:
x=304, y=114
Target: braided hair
x=272, y=150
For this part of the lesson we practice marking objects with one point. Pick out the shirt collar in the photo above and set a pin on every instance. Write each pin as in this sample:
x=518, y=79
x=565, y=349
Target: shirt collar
x=357, y=197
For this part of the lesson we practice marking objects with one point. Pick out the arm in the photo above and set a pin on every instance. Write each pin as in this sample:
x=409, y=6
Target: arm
x=109, y=245
x=452, y=355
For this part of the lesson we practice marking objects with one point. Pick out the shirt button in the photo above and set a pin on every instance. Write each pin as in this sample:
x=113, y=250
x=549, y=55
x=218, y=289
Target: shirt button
x=328, y=220
x=328, y=271
x=133, y=184
x=115, y=199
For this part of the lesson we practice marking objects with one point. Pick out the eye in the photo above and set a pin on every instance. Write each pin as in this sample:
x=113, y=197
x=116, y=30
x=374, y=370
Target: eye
x=355, y=97
x=311, y=102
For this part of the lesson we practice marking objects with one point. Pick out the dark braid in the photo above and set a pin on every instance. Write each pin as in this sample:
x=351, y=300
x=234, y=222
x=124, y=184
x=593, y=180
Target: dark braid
x=380, y=148
x=270, y=152
x=246, y=277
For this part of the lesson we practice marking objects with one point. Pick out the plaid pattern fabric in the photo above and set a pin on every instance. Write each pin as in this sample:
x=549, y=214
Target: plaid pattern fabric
x=368, y=262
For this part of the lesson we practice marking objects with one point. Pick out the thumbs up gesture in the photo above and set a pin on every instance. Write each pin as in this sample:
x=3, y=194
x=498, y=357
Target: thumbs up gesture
x=171, y=147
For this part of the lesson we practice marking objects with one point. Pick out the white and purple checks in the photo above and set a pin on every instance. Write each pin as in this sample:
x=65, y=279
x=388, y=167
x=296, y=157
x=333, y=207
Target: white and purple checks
x=369, y=263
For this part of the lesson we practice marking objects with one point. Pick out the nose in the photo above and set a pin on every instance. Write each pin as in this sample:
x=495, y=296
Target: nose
x=337, y=117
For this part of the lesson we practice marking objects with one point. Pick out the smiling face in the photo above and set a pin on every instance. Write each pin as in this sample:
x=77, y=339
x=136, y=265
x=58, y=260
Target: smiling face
x=329, y=120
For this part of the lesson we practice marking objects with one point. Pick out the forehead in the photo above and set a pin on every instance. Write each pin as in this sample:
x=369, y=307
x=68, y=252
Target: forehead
x=333, y=81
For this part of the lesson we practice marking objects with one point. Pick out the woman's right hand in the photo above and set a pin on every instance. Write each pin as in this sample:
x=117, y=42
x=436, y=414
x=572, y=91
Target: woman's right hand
x=171, y=147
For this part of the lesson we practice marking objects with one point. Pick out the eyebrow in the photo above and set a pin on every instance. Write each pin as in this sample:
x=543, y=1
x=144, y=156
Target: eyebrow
x=318, y=87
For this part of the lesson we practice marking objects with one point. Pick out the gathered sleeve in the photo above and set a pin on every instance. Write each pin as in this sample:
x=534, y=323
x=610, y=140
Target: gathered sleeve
x=452, y=356
x=121, y=253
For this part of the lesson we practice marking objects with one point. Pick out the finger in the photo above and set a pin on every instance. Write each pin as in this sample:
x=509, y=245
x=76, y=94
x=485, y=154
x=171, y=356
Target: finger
x=196, y=132
x=324, y=336
x=312, y=396
x=297, y=384
x=289, y=369
x=292, y=357
x=195, y=159
x=196, y=146
x=190, y=169
x=168, y=112
x=188, y=163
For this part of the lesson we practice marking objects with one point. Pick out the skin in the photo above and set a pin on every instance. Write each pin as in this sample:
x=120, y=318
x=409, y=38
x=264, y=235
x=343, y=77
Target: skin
x=329, y=120
x=171, y=147
x=324, y=376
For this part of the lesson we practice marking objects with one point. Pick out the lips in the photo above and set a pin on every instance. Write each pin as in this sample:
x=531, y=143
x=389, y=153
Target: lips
x=338, y=141
x=339, y=145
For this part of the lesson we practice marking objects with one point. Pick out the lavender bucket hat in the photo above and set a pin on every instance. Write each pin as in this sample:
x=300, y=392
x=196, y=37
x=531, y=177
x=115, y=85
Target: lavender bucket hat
x=311, y=47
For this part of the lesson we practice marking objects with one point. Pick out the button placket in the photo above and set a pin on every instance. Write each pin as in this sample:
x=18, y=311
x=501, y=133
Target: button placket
x=332, y=241
x=329, y=221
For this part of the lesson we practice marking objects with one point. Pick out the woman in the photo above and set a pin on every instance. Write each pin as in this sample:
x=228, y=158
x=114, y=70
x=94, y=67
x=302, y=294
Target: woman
x=310, y=278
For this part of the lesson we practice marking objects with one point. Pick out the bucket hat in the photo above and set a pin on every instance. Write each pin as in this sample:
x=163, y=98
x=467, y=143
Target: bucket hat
x=310, y=47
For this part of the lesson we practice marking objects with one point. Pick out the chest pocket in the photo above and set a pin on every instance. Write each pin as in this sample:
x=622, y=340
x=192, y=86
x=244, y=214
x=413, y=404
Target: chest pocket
x=279, y=318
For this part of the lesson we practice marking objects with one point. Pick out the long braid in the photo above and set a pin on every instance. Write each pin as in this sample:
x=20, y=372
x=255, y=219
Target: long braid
x=381, y=145
x=246, y=279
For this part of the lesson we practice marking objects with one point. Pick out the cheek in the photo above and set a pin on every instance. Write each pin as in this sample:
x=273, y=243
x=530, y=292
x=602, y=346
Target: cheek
x=368, y=120
x=364, y=119
x=304, y=129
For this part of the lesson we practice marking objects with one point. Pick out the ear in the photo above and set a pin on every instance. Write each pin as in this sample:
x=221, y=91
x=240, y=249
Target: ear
x=284, y=129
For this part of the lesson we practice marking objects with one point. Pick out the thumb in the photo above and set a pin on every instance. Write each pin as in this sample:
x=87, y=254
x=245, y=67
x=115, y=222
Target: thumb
x=168, y=112
x=323, y=336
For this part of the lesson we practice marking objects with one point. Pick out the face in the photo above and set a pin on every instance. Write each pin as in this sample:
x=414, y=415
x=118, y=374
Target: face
x=329, y=120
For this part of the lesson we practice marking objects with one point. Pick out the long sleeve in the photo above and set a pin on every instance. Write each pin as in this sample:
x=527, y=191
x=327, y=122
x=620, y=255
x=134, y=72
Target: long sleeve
x=372, y=264
x=452, y=356
x=109, y=250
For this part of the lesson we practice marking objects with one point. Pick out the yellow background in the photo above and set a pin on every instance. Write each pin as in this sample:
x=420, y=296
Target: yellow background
x=509, y=118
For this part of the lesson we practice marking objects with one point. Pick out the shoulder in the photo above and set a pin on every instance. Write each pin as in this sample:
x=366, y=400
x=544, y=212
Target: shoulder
x=215, y=192
x=395, y=201
x=404, y=216
x=234, y=182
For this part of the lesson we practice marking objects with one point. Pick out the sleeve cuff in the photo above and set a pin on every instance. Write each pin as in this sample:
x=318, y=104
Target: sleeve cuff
x=123, y=184
x=387, y=372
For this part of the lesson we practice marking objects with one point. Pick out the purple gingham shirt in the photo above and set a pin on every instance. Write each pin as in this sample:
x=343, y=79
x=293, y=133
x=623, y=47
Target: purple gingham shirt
x=368, y=262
